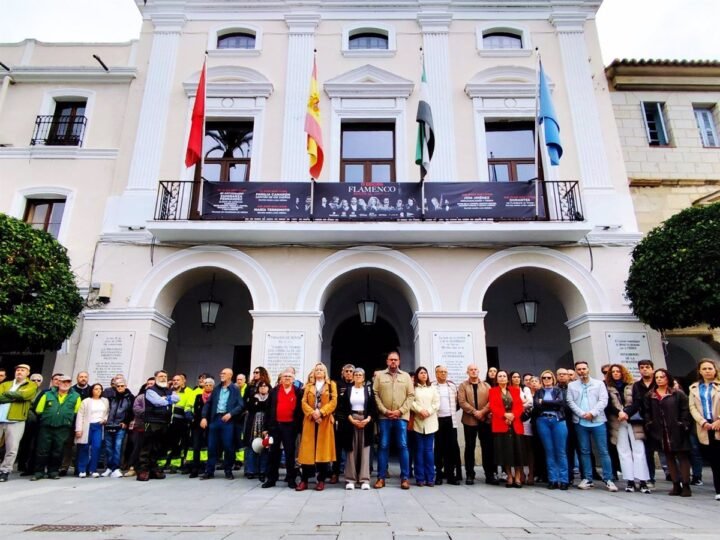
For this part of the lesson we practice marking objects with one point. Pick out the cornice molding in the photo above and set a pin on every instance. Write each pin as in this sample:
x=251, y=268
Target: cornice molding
x=302, y=23
x=601, y=318
x=434, y=22
x=368, y=81
x=128, y=314
x=73, y=74
x=57, y=152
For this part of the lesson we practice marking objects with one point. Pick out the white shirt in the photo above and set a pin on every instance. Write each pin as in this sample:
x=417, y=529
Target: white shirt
x=357, y=399
x=97, y=410
x=444, y=400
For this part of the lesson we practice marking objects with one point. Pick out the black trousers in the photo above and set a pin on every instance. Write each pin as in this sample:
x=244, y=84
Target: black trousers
x=481, y=431
x=447, y=451
x=154, y=446
x=571, y=449
x=711, y=452
x=284, y=434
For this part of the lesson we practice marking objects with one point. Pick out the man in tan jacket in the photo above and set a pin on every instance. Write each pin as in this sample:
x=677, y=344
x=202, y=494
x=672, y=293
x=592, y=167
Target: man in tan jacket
x=473, y=400
x=394, y=393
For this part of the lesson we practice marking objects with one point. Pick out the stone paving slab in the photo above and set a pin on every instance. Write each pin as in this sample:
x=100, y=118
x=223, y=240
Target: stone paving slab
x=178, y=508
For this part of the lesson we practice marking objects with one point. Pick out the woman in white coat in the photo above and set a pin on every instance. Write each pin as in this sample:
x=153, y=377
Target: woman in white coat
x=425, y=405
x=91, y=418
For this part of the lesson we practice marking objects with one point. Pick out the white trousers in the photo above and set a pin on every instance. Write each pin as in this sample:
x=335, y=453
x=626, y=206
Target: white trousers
x=631, y=452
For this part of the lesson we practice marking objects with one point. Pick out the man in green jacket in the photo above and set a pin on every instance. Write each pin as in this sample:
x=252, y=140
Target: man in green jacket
x=56, y=414
x=15, y=398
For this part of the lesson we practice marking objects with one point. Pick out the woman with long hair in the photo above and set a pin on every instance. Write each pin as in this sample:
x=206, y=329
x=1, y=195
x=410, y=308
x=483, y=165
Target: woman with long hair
x=667, y=424
x=425, y=405
x=549, y=413
x=705, y=410
x=317, y=442
x=491, y=375
x=626, y=433
x=258, y=407
x=506, y=406
x=89, y=422
x=527, y=437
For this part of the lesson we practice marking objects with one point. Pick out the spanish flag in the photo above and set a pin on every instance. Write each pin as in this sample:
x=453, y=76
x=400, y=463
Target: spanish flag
x=312, y=127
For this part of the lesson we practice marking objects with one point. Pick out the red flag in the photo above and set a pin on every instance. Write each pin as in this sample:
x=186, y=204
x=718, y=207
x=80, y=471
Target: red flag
x=194, y=147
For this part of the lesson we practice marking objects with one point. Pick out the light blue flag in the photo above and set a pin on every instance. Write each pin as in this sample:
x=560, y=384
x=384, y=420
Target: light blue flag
x=548, y=119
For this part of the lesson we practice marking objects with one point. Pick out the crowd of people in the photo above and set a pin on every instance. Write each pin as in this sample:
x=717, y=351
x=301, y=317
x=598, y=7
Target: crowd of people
x=531, y=428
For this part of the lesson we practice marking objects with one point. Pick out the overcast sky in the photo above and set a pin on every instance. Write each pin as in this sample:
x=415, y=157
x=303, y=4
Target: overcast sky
x=668, y=29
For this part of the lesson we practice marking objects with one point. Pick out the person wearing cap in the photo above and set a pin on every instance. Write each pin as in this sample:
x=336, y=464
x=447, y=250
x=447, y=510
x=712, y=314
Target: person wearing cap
x=15, y=398
x=56, y=414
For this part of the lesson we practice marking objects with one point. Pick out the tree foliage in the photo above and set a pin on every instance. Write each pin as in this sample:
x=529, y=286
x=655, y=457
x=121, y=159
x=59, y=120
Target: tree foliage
x=674, y=277
x=39, y=300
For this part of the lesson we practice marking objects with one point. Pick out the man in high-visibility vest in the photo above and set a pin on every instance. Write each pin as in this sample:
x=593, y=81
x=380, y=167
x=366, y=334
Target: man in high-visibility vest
x=178, y=435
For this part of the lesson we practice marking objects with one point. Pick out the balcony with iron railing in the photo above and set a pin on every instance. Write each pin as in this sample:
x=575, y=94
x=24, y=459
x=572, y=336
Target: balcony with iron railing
x=333, y=212
x=53, y=130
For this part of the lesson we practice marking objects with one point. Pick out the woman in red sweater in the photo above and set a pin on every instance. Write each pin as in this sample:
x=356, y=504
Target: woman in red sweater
x=506, y=406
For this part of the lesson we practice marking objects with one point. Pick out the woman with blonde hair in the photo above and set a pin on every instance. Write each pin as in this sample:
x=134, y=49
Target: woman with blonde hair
x=549, y=413
x=626, y=432
x=705, y=410
x=317, y=442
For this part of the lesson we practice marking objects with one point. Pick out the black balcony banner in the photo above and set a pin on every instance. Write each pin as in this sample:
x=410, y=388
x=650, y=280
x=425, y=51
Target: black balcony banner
x=480, y=200
x=367, y=202
x=256, y=200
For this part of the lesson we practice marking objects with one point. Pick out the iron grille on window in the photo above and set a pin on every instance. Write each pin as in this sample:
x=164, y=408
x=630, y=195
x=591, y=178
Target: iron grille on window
x=59, y=130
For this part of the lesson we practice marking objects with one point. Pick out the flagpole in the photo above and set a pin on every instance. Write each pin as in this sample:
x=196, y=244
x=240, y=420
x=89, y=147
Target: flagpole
x=537, y=134
x=201, y=164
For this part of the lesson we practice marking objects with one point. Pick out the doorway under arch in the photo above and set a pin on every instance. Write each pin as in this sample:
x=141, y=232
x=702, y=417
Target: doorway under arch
x=346, y=340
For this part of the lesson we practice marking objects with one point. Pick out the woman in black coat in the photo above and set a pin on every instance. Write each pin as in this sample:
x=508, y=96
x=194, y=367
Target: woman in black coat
x=356, y=430
x=667, y=425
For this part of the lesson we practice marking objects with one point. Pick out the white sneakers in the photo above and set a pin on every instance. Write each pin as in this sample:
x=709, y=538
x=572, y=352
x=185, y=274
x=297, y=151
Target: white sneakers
x=107, y=473
x=610, y=485
x=586, y=484
x=95, y=475
x=717, y=497
x=117, y=473
x=365, y=486
x=350, y=486
x=82, y=475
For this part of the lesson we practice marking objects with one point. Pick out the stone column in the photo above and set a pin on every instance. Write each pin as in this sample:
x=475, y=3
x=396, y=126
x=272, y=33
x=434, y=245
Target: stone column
x=301, y=30
x=435, y=27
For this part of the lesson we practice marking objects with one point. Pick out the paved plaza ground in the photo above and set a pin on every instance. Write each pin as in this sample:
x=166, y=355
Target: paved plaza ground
x=180, y=508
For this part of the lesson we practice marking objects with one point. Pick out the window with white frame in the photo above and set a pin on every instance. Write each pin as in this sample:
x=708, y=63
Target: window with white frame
x=502, y=40
x=706, y=125
x=234, y=40
x=655, y=126
x=368, y=40
x=65, y=126
x=510, y=145
x=45, y=214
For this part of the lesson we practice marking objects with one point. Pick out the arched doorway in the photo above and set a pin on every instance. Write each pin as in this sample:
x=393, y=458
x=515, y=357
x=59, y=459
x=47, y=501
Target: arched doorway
x=346, y=340
x=362, y=346
x=545, y=346
x=192, y=349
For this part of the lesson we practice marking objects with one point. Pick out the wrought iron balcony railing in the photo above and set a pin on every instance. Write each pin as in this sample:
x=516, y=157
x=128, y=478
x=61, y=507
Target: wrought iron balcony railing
x=555, y=201
x=59, y=130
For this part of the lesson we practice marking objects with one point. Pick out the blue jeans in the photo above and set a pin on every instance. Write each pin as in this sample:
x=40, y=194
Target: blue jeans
x=398, y=430
x=256, y=463
x=599, y=436
x=113, y=448
x=90, y=452
x=553, y=435
x=424, y=457
x=220, y=432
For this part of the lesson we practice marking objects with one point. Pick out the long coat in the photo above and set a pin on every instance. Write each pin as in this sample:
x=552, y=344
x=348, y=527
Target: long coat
x=696, y=409
x=321, y=448
x=498, y=410
x=671, y=411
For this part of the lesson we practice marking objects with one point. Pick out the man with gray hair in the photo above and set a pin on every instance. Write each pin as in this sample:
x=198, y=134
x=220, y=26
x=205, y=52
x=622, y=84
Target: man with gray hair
x=120, y=413
x=447, y=450
x=345, y=382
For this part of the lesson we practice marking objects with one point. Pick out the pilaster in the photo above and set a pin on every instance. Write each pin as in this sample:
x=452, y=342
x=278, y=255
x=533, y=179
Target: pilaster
x=301, y=39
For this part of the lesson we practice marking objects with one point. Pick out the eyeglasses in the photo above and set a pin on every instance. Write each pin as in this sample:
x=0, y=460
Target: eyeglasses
x=547, y=377
x=120, y=386
x=36, y=380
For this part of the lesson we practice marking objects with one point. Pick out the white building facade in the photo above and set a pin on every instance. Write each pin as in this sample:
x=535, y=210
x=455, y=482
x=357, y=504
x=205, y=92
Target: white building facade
x=107, y=154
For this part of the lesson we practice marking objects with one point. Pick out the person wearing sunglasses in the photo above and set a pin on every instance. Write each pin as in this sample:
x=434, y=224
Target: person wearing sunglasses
x=549, y=412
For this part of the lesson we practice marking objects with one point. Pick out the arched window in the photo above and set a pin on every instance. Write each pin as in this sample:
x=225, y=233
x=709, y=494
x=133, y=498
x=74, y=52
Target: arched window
x=236, y=40
x=502, y=40
x=368, y=40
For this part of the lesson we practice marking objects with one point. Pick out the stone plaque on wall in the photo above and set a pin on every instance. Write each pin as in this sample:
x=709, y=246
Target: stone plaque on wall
x=282, y=350
x=110, y=354
x=453, y=350
x=627, y=348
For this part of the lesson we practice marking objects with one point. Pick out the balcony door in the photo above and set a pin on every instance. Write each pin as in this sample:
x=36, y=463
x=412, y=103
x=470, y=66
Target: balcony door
x=511, y=151
x=67, y=124
x=367, y=152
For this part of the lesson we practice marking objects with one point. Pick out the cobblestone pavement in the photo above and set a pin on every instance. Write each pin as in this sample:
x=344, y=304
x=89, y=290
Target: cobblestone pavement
x=179, y=507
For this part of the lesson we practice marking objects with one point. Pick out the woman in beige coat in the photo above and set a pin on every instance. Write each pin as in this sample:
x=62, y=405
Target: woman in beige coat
x=89, y=424
x=705, y=410
x=317, y=442
x=425, y=406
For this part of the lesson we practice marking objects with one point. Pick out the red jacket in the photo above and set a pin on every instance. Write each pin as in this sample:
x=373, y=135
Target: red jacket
x=498, y=410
